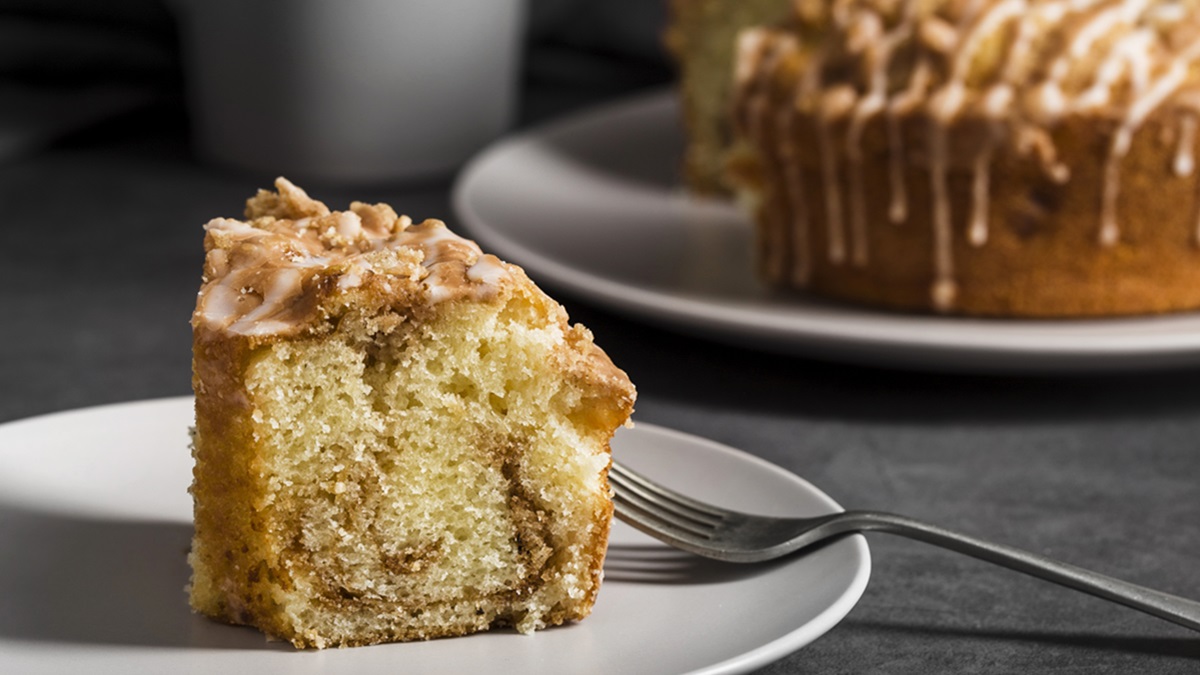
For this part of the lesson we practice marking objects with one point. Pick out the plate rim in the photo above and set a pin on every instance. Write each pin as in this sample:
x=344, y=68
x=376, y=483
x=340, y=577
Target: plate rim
x=831, y=615
x=991, y=346
x=764, y=654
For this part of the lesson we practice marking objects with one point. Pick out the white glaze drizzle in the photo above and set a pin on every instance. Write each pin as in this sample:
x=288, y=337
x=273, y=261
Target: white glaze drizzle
x=262, y=276
x=943, y=107
x=1150, y=98
x=1136, y=71
x=832, y=104
x=903, y=103
x=977, y=230
x=1185, y=146
x=488, y=270
x=880, y=53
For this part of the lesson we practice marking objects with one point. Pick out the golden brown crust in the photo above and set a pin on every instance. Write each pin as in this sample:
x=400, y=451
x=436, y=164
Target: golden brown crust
x=227, y=489
x=294, y=264
x=1042, y=257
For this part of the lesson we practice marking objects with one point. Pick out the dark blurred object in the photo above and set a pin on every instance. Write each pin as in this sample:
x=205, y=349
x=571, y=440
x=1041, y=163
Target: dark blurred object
x=625, y=29
x=65, y=64
x=83, y=42
x=369, y=91
x=597, y=48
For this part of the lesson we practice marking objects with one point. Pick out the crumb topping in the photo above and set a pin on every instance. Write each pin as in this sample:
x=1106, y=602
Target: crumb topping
x=272, y=273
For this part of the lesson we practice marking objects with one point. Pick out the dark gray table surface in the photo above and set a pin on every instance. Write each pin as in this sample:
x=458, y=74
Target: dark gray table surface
x=100, y=251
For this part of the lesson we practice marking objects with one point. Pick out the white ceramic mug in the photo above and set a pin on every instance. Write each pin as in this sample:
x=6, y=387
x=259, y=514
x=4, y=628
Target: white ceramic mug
x=350, y=90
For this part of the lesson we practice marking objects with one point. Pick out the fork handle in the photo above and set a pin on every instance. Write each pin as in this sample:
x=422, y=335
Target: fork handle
x=1162, y=605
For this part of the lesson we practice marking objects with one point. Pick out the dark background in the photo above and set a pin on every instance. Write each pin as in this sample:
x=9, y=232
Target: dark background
x=101, y=203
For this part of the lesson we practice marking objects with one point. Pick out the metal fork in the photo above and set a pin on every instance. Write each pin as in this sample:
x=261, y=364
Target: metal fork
x=715, y=532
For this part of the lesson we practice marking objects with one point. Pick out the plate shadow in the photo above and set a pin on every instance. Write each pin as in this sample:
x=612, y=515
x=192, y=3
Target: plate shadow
x=661, y=565
x=72, y=579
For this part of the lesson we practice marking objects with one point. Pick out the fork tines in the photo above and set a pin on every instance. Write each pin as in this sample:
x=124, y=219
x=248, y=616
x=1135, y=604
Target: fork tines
x=660, y=510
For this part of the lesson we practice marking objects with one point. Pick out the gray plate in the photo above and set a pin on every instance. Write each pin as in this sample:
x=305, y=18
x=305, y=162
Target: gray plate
x=95, y=522
x=592, y=205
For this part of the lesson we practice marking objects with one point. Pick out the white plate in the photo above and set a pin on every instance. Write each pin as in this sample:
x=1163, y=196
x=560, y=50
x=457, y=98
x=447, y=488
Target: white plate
x=592, y=205
x=95, y=521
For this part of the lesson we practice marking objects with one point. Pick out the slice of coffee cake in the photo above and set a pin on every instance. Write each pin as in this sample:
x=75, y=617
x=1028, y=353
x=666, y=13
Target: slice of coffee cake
x=397, y=436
